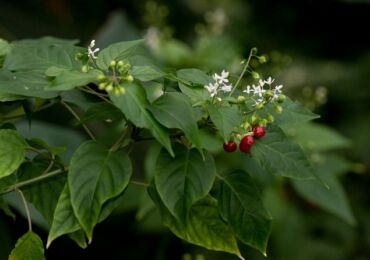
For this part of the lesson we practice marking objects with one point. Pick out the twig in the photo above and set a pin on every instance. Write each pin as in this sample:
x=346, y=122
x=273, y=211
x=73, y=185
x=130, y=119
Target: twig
x=27, y=209
x=243, y=72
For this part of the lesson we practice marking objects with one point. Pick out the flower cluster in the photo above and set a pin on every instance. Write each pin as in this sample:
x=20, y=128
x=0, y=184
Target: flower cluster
x=221, y=83
x=261, y=95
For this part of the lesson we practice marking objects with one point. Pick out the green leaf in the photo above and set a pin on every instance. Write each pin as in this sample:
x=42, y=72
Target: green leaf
x=29, y=247
x=241, y=206
x=173, y=110
x=293, y=113
x=145, y=73
x=5, y=97
x=96, y=175
x=30, y=83
x=102, y=111
x=44, y=196
x=225, y=119
x=79, y=237
x=280, y=156
x=317, y=137
x=198, y=96
x=117, y=51
x=5, y=208
x=204, y=227
x=4, y=47
x=183, y=180
x=12, y=151
x=69, y=79
x=64, y=220
x=133, y=104
x=332, y=199
x=40, y=55
x=193, y=76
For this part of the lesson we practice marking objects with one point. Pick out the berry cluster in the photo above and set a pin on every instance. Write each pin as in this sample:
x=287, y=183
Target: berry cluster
x=246, y=142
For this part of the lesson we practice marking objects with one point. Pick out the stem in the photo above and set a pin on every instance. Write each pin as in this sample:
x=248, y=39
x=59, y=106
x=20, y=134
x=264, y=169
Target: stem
x=243, y=72
x=79, y=120
x=124, y=134
x=32, y=181
x=46, y=155
x=139, y=183
x=99, y=95
x=27, y=209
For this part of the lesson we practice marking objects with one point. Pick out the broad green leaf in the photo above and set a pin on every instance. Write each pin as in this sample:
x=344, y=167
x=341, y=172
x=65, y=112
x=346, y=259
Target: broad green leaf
x=79, y=237
x=198, y=96
x=69, y=79
x=183, y=180
x=102, y=111
x=30, y=83
x=280, y=156
x=29, y=247
x=7, y=182
x=145, y=73
x=317, y=137
x=4, y=47
x=226, y=119
x=173, y=110
x=40, y=55
x=293, y=113
x=12, y=151
x=193, y=76
x=133, y=104
x=241, y=206
x=64, y=220
x=204, y=227
x=96, y=175
x=117, y=51
x=5, y=97
x=332, y=199
x=44, y=196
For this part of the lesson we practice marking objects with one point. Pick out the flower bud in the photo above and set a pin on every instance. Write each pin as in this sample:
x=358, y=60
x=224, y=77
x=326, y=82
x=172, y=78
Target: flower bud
x=85, y=68
x=120, y=64
x=278, y=109
x=255, y=75
x=262, y=122
x=281, y=98
x=241, y=99
x=101, y=78
x=268, y=94
x=270, y=118
x=262, y=59
x=246, y=126
x=254, y=51
x=79, y=56
x=129, y=78
x=103, y=85
x=254, y=119
x=260, y=106
x=113, y=64
x=122, y=90
x=109, y=87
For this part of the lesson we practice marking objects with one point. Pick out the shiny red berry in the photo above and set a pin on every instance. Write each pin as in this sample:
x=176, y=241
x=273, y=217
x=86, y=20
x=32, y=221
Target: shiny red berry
x=230, y=146
x=246, y=144
x=259, y=131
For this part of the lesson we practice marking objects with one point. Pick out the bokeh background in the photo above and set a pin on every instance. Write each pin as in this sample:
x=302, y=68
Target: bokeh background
x=318, y=49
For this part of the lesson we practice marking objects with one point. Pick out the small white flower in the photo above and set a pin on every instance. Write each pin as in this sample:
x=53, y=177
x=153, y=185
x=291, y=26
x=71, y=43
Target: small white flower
x=221, y=79
x=91, y=51
x=226, y=88
x=258, y=90
x=259, y=101
x=262, y=82
x=269, y=80
x=278, y=88
x=212, y=88
x=248, y=90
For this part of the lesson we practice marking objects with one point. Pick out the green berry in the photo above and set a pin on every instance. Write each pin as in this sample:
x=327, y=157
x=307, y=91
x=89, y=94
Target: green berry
x=281, y=98
x=278, y=109
x=255, y=75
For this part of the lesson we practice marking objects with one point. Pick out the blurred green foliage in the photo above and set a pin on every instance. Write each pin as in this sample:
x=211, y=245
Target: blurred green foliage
x=316, y=48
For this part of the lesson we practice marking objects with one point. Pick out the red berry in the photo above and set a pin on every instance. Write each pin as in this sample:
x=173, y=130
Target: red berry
x=259, y=131
x=246, y=144
x=230, y=146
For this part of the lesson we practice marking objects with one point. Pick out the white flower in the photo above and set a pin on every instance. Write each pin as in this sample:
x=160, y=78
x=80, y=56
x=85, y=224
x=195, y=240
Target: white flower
x=262, y=82
x=278, y=88
x=269, y=80
x=91, y=51
x=248, y=90
x=212, y=88
x=221, y=79
x=258, y=90
x=226, y=88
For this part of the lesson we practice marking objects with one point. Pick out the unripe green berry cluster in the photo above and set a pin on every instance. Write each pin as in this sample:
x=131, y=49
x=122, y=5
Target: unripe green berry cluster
x=115, y=79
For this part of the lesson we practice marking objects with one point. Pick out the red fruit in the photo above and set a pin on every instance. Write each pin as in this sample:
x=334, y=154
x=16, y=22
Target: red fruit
x=246, y=144
x=230, y=146
x=259, y=131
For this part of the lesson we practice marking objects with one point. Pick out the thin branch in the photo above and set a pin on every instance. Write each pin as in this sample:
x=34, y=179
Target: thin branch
x=99, y=95
x=79, y=120
x=243, y=72
x=27, y=209
x=139, y=183
x=32, y=181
